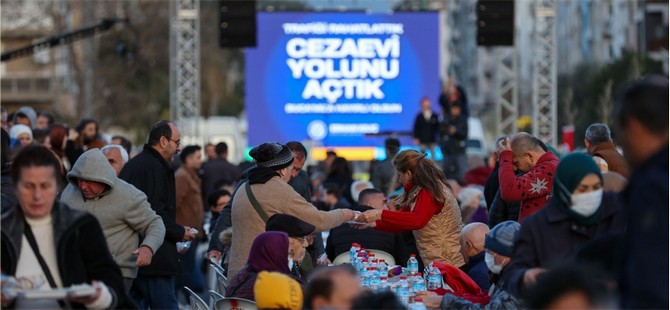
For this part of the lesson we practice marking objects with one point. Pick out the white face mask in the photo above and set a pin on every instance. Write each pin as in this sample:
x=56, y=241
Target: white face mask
x=587, y=203
x=290, y=263
x=491, y=263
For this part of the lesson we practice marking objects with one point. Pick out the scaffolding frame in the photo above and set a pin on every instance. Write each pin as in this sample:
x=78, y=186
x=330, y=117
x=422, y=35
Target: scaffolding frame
x=185, y=65
x=544, y=72
x=506, y=94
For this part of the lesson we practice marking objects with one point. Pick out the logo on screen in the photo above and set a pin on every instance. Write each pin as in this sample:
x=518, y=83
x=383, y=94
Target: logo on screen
x=317, y=130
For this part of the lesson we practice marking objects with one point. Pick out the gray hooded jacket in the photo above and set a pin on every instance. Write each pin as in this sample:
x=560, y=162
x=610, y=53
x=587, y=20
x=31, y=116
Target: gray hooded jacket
x=122, y=210
x=29, y=113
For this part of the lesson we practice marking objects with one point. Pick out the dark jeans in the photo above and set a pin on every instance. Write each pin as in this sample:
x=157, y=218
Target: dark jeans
x=155, y=292
x=190, y=273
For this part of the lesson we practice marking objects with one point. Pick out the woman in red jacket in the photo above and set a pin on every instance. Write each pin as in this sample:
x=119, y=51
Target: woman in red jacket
x=427, y=207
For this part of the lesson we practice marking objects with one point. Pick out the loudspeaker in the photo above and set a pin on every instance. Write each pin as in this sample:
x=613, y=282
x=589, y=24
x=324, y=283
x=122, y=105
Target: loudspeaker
x=237, y=23
x=495, y=22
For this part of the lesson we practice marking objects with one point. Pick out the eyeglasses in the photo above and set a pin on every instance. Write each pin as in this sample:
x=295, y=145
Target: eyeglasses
x=177, y=142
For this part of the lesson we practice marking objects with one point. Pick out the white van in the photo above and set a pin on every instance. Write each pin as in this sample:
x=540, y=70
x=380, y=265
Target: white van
x=476, y=144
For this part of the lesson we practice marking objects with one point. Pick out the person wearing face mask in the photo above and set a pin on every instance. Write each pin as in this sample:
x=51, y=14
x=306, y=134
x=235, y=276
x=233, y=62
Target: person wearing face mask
x=578, y=212
x=498, y=246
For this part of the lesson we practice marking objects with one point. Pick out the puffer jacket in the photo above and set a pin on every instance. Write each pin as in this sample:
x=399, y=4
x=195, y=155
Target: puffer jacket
x=440, y=238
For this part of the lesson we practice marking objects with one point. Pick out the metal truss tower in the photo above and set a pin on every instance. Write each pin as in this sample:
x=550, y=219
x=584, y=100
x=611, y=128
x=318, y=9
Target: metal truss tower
x=185, y=65
x=544, y=72
x=507, y=100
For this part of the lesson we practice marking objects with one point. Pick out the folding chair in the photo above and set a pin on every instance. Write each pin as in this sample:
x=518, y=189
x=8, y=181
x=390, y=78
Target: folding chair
x=196, y=302
x=221, y=280
x=215, y=295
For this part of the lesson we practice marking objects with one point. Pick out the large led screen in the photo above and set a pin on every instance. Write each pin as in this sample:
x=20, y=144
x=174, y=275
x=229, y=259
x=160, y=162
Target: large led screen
x=339, y=79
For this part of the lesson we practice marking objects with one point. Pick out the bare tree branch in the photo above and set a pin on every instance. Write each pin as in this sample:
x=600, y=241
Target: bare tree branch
x=605, y=102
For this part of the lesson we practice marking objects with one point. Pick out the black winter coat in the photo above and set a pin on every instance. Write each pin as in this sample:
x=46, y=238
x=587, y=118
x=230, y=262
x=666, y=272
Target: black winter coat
x=645, y=268
x=501, y=211
x=214, y=171
x=81, y=249
x=491, y=187
x=551, y=236
x=426, y=131
x=152, y=174
x=455, y=143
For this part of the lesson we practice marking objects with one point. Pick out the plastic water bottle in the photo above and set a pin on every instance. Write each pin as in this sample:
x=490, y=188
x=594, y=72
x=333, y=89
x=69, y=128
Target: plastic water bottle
x=412, y=264
x=355, y=247
x=375, y=279
x=183, y=246
x=418, y=284
x=384, y=283
x=364, y=266
x=402, y=290
x=359, y=261
x=434, y=277
x=383, y=267
x=365, y=277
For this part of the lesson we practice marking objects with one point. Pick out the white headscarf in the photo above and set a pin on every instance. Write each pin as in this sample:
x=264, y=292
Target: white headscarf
x=19, y=129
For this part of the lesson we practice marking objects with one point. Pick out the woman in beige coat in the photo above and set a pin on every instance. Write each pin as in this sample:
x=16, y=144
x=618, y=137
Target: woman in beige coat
x=427, y=207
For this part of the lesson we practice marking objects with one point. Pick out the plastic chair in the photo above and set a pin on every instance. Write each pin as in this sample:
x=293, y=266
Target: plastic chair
x=229, y=303
x=379, y=254
x=342, y=259
x=196, y=302
x=215, y=295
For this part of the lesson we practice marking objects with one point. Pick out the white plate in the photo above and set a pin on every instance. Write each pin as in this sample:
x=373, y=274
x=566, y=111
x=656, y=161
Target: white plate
x=356, y=223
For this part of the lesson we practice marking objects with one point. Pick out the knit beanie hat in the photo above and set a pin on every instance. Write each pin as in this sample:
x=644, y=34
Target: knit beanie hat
x=570, y=172
x=274, y=290
x=501, y=238
x=272, y=155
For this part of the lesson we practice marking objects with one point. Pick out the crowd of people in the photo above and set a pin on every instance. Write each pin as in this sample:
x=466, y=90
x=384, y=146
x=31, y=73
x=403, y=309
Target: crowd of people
x=529, y=228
